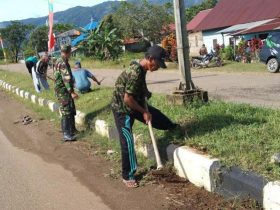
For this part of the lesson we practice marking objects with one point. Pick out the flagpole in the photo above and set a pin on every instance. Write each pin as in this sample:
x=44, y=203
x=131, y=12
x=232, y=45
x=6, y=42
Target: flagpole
x=5, y=57
x=51, y=42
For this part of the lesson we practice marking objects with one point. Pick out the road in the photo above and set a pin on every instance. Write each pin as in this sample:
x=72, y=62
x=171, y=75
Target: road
x=261, y=89
x=37, y=171
x=28, y=182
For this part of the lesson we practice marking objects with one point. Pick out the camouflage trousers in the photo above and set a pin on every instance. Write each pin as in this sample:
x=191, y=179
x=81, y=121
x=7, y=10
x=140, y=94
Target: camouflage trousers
x=67, y=105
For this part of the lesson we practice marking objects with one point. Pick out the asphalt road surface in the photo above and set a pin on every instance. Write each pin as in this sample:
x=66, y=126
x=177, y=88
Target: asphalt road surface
x=260, y=89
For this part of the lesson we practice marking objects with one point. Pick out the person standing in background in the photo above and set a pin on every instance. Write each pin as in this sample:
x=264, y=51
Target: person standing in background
x=39, y=74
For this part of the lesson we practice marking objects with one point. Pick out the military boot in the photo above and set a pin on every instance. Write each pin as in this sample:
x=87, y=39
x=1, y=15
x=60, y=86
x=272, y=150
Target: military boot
x=66, y=128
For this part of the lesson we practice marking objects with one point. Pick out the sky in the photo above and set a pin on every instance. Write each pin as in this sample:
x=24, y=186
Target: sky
x=22, y=9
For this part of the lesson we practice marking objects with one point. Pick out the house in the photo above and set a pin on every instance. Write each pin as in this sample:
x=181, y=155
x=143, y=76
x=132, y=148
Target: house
x=136, y=45
x=74, y=37
x=195, y=37
x=66, y=38
x=230, y=20
x=88, y=28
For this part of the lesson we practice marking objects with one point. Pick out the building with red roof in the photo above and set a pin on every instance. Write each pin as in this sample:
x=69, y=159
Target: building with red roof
x=231, y=20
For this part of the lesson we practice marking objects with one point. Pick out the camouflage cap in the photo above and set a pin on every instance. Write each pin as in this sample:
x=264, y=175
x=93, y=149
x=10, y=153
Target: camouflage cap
x=66, y=48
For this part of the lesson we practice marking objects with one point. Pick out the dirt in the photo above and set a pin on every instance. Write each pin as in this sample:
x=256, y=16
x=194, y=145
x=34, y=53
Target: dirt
x=161, y=191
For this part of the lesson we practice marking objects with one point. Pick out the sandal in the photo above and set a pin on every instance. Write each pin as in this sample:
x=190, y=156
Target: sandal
x=130, y=183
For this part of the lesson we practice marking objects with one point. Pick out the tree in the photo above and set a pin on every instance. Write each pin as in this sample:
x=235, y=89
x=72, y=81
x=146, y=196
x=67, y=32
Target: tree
x=142, y=20
x=103, y=43
x=192, y=11
x=38, y=39
x=13, y=36
x=61, y=27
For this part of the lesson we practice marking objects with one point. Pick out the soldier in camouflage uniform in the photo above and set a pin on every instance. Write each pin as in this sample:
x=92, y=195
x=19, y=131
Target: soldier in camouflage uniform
x=128, y=104
x=64, y=91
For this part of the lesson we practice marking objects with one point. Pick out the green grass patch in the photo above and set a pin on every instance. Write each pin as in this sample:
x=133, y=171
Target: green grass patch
x=238, y=134
x=120, y=63
x=237, y=67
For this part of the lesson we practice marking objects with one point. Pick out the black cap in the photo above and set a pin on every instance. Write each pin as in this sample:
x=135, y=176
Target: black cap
x=159, y=54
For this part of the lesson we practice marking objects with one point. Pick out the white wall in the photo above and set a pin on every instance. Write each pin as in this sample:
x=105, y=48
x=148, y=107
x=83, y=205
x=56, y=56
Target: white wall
x=209, y=36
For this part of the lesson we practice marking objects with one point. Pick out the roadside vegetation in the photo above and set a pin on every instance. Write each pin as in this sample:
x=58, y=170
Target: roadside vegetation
x=240, y=135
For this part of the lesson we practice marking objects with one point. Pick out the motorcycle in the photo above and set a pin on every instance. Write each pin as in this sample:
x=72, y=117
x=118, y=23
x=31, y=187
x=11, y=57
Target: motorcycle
x=204, y=61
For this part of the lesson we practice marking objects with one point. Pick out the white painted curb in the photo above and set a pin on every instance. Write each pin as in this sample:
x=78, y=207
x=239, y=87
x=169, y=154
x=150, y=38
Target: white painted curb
x=42, y=102
x=27, y=95
x=80, y=118
x=105, y=130
x=21, y=93
x=271, y=196
x=53, y=106
x=34, y=99
x=194, y=166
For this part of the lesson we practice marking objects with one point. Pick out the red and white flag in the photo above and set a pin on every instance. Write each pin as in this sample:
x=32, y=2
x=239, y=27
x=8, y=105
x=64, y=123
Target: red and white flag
x=51, y=41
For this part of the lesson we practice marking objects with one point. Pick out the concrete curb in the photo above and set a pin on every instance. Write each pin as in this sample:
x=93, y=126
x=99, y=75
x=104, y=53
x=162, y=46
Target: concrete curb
x=195, y=167
x=271, y=196
x=80, y=118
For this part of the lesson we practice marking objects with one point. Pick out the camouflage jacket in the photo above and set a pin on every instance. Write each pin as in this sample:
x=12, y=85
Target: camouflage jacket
x=131, y=81
x=64, y=83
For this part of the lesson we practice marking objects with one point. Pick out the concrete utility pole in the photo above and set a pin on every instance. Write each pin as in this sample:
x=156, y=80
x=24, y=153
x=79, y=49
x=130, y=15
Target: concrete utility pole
x=183, y=45
x=187, y=90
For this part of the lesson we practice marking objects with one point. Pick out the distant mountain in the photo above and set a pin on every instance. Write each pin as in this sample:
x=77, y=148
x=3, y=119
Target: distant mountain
x=80, y=16
x=188, y=3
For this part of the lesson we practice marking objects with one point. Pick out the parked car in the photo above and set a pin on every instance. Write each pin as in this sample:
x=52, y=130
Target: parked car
x=270, y=53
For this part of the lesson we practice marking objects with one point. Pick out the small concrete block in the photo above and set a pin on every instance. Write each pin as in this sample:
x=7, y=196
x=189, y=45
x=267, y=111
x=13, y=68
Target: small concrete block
x=194, y=166
x=271, y=198
x=42, y=102
x=27, y=95
x=10, y=87
x=102, y=128
x=53, y=106
x=145, y=149
x=7, y=86
x=113, y=133
x=21, y=93
x=17, y=91
x=34, y=99
x=170, y=151
x=80, y=119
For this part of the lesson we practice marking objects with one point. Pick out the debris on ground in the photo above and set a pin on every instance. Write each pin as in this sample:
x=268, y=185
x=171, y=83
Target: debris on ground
x=275, y=158
x=26, y=120
x=183, y=195
x=110, y=152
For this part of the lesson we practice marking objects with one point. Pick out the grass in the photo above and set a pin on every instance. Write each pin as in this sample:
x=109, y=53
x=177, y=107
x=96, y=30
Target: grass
x=124, y=61
x=237, y=67
x=121, y=63
x=238, y=134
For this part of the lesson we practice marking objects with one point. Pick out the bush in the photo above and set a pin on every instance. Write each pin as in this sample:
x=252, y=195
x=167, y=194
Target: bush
x=228, y=53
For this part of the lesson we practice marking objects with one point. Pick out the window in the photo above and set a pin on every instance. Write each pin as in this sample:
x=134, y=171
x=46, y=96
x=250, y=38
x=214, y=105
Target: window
x=196, y=41
x=231, y=41
x=215, y=42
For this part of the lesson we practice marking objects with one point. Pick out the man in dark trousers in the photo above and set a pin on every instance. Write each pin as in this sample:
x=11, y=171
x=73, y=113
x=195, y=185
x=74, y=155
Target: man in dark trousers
x=64, y=91
x=129, y=104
